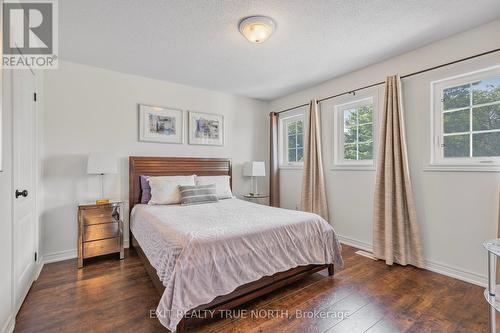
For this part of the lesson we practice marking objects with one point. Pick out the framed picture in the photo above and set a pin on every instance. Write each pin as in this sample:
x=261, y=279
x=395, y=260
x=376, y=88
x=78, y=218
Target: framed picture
x=159, y=124
x=206, y=129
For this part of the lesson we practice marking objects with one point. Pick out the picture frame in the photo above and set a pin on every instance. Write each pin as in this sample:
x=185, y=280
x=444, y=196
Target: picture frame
x=160, y=124
x=206, y=129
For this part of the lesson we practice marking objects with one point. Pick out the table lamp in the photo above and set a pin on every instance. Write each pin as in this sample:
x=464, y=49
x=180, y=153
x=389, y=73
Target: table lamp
x=254, y=169
x=101, y=164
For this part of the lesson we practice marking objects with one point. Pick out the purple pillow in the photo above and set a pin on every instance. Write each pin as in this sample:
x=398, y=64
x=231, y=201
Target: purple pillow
x=145, y=190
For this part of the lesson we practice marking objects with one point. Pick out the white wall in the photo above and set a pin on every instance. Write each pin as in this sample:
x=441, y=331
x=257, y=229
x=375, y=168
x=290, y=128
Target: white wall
x=457, y=210
x=89, y=109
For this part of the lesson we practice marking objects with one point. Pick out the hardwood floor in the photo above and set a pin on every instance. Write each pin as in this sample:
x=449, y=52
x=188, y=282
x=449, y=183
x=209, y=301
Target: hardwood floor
x=117, y=296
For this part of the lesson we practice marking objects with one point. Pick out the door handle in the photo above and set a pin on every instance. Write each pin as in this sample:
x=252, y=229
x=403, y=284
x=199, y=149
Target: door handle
x=23, y=193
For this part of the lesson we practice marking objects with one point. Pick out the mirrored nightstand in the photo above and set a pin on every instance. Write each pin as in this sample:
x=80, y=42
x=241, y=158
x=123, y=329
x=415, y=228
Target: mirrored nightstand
x=100, y=230
x=262, y=199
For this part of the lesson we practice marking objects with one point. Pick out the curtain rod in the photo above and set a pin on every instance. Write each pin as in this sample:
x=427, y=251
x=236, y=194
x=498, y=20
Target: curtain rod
x=382, y=82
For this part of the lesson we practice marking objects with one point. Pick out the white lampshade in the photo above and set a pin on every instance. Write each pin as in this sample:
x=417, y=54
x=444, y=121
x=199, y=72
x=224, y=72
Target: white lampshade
x=254, y=169
x=101, y=163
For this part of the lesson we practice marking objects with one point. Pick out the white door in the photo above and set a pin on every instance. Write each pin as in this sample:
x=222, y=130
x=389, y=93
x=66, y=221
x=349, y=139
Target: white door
x=24, y=173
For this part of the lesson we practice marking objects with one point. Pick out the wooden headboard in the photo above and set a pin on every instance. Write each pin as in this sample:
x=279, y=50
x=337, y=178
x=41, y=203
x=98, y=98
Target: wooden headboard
x=171, y=166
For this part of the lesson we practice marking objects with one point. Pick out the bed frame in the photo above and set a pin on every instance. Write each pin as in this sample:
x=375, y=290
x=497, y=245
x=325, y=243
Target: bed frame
x=169, y=166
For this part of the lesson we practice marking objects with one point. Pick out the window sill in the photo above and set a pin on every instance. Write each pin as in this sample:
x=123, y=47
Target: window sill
x=461, y=168
x=353, y=168
x=291, y=167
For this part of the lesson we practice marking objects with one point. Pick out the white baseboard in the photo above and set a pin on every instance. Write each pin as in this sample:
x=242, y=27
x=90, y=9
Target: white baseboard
x=433, y=266
x=355, y=243
x=9, y=325
x=457, y=273
x=38, y=268
x=59, y=256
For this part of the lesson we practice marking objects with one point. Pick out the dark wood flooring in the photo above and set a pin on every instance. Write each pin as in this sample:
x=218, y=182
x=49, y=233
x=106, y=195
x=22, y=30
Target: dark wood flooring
x=117, y=296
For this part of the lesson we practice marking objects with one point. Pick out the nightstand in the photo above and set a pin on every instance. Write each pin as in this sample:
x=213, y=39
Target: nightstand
x=262, y=199
x=100, y=230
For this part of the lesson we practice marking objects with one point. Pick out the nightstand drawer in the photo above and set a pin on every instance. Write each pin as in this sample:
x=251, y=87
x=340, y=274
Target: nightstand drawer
x=99, y=247
x=96, y=216
x=100, y=231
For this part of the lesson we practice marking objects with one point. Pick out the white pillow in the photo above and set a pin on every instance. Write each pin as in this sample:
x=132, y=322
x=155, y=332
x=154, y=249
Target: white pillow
x=222, y=186
x=165, y=189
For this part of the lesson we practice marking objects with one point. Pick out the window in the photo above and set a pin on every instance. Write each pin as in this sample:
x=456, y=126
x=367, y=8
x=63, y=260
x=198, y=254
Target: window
x=354, y=137
x=467, y=119
x=293, y=141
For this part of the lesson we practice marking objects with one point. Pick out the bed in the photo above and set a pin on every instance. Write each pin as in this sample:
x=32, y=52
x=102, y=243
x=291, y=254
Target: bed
x=216, y=256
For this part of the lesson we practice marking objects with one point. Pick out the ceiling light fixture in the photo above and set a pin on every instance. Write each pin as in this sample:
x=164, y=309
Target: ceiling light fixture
x=257, y=29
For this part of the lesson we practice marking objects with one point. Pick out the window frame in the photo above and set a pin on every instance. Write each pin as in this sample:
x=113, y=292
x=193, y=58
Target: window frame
x=437, y=159
x=339, y=162
x=283, y=138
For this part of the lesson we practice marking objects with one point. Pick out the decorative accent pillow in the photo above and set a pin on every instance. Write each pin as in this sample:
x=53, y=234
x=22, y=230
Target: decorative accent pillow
x=193, y=195
x=145, y=190
x=165, y=189
x=221, y=183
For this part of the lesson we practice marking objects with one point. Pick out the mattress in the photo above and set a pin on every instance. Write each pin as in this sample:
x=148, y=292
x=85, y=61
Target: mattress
x=204, y=251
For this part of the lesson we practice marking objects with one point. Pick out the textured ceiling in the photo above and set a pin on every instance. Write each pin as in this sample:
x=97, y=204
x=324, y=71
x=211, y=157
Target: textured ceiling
x=197, y=42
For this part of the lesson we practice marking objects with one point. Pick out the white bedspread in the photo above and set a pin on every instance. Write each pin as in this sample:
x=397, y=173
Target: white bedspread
x=204, y=251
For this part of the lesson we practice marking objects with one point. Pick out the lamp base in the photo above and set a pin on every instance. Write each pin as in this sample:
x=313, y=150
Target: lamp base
x=102, y=201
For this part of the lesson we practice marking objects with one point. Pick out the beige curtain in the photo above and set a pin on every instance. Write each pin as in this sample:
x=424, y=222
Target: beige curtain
x=313, y=196
x=396, y=236
x=274, y=181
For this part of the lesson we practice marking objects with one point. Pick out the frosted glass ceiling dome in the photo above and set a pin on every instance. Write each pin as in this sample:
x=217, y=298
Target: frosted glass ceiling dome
x=257, y=29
